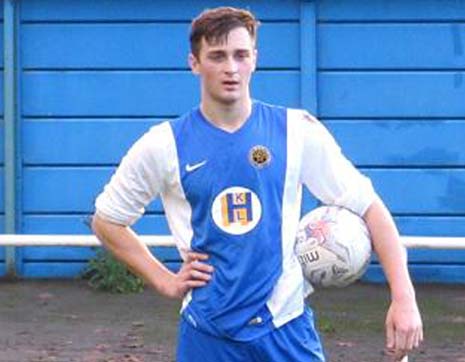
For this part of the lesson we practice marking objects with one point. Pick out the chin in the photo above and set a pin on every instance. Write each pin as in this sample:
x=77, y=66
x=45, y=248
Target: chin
x=228, y=100
x=232, y=97
x=231, y=100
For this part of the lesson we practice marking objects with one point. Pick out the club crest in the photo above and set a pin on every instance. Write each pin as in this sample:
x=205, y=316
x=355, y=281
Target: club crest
x=259, y=156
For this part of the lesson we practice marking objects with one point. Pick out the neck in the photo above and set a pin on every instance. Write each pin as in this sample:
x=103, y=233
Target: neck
x=228, y=117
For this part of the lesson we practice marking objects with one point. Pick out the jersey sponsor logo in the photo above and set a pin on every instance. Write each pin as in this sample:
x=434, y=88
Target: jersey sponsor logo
x=195, y=166
x=259, y=156
x=236, y=210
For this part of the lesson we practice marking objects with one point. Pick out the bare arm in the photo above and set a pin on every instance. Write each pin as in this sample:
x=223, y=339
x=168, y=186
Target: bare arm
x=404, y=329
x=125, y=245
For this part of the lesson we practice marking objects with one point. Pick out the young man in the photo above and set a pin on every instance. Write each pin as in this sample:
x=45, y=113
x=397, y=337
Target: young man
x=229, y=174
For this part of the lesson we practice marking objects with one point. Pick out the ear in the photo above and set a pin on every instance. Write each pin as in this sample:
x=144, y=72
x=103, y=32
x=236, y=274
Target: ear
x=255, y=56
x=193, y=63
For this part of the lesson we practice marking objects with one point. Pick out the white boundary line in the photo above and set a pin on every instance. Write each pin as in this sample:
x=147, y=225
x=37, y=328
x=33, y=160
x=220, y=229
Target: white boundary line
x=426, y=242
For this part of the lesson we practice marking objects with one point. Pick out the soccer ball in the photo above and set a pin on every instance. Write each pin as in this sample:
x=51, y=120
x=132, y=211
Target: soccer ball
x=333, y=246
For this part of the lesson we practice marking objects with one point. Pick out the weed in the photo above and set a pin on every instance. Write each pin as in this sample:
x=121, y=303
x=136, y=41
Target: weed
x=325, y=325
x=106, y=273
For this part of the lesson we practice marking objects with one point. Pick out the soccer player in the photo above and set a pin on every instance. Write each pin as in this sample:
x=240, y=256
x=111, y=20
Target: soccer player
x=230, y=174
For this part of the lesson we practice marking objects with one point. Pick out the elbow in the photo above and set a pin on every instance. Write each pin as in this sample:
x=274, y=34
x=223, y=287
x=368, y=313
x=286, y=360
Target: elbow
x=106, y=231
x=95, y=223
x=102, y=231
x=100, y=227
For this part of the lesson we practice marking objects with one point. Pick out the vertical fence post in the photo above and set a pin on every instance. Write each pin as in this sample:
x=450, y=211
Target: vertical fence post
x=308, y=56
x=10, y=123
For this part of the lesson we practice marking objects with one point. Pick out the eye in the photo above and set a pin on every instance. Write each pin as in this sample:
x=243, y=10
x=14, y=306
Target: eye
x=216, y=57
x=242, y=55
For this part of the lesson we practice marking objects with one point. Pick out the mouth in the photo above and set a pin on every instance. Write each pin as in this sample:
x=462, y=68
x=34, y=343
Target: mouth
x=230, y=83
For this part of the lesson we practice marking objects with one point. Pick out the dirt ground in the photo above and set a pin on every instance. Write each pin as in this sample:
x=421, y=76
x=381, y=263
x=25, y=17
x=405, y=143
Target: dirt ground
x=66, y=321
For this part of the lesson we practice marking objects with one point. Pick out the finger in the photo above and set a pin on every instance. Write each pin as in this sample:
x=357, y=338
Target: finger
x=192, y=256
x=202, y=266
x=394, y=355
x=416, y=341
x=389, y=355
x=419, y=337
x=188, y=272
x=412, y=340
x=195, y=283
x=400, y=340
x=390, y=339
x=401, y=356
x=197, y=275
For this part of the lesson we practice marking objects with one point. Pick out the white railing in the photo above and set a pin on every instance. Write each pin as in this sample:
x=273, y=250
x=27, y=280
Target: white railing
x=433, y=242
x=73, y=240
x=423, y=242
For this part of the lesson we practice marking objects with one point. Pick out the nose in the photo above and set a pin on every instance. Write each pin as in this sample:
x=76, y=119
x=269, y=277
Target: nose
x=231, y=66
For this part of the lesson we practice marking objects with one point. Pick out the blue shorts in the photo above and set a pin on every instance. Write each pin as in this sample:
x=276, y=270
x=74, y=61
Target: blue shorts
x=296, y=341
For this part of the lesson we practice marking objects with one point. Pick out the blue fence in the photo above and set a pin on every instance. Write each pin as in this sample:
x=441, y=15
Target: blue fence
x=386, y=77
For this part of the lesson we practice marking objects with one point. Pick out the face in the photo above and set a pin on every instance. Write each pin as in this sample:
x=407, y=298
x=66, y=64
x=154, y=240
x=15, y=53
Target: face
x=225, y=69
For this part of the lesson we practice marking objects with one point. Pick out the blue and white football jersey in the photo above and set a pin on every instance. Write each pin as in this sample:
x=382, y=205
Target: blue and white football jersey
x=236, y=197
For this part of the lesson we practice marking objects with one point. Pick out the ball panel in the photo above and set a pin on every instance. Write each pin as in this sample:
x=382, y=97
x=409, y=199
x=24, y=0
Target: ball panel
x=333, y=246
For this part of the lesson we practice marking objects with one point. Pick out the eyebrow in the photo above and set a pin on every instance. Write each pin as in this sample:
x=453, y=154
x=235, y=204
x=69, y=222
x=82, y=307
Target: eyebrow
x=221, y=51
x=218, y=51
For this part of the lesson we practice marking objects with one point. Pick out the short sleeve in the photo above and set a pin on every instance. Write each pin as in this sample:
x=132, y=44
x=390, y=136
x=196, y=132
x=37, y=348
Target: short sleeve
x=328, y=174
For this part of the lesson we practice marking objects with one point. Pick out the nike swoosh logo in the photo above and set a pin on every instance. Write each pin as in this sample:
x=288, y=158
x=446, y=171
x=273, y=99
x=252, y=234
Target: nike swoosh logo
x=195, y=166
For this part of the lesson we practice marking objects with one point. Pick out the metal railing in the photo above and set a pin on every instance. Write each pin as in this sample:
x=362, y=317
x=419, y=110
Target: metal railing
x=417, y=242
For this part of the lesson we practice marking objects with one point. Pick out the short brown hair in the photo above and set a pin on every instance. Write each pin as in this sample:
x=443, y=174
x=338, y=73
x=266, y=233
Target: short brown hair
x=214, y=25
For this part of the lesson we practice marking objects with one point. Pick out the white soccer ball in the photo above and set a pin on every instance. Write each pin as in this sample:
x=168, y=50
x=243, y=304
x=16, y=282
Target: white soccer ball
x=333, y=246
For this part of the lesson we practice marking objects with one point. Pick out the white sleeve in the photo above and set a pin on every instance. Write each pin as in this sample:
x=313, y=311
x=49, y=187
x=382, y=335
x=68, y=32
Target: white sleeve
x=137, y=181
x=328, y=174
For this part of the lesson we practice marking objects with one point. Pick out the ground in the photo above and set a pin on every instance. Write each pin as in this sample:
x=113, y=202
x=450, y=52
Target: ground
x=66, y=321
